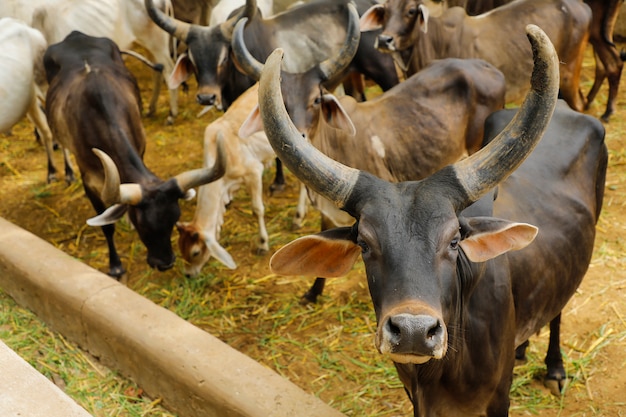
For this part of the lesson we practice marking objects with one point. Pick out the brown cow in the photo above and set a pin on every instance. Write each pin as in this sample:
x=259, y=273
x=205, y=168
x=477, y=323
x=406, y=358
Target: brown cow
x=496, y=36
x=609, y=61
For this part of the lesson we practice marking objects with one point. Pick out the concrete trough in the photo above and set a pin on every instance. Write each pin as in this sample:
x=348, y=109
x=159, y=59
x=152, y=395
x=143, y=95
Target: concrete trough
x=193, y=372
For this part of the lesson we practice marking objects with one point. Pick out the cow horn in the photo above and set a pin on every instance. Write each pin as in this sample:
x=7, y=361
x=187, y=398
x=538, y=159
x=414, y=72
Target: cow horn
x=496, y=161
x=248, y=11
x=174, y=27
x=249, y=64
x=113, y=192
x=323, y=174
x=201, y=176
x=333, y=66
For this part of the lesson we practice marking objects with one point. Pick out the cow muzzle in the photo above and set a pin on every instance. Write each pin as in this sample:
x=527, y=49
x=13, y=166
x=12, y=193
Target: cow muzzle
x=161, y=264
x=412, y=338
x=385, y=43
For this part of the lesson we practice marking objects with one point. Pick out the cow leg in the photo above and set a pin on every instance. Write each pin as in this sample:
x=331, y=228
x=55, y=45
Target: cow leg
x=316, y=290
x=301, y=209
x=156, y=90
x=279, y=179
x=556, y=378
x=116, y=270
x=520, y=352
x=37, y=116
x=255, y=187
x=610, y=63
x=599, y=77
x=318, y=286
x=69, y=171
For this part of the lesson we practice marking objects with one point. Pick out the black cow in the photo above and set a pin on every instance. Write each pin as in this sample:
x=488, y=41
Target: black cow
x=455, y=287
x=432, y=119
x=94, y=110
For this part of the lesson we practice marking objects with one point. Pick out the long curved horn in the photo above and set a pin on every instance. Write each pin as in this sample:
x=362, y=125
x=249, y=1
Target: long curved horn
x=334, y=65
x=174, y=27
x=249, y=64
x=495, y=162
x=113, y=192
x=110, y=193
x=201, y=176
x=323, y=174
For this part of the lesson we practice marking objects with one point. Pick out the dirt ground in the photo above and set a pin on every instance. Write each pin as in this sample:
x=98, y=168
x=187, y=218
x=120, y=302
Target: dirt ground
x=327, y=349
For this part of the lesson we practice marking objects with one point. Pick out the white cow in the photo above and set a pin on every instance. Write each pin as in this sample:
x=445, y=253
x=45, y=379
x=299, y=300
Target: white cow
x=224, y=8
x=21, y=65
x=246, y=160
x=124, y=21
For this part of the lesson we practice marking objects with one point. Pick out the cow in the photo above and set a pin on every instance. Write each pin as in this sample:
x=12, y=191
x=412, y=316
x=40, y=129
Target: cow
x=94, y=110
x=311, y=32
x=609, y=61
x=21, y=71
x=123, y=21
x=246, y=159
x=456, y=280
x=432, y=119
x=496, y=37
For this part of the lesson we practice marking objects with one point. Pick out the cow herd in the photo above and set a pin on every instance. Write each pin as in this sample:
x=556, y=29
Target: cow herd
x=475, y=223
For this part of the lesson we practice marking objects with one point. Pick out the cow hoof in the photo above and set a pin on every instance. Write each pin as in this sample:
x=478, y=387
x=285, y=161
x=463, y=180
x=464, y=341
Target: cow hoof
x=276, y=188
x=117, y=273
x=170, y=120
x=556, y=386
x=52, y=178
x=261, y=251
x=308, y=298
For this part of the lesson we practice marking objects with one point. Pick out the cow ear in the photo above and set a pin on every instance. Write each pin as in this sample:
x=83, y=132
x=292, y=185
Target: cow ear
x=108, y=216
x=218, y=252
x=320, y=255
x=488, y=237
x=252, y=124
x=335, y=115
x=181, y=72
x=373, y=18
x=422, y=18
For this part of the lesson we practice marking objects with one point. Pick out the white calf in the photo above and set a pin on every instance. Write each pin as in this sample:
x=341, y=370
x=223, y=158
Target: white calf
x=246, y=160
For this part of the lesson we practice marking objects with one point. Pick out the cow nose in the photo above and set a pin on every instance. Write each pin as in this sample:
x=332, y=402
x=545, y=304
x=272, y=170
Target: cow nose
x=421, y=335
x=161, y=264
x=206, y=99
x=385, y=42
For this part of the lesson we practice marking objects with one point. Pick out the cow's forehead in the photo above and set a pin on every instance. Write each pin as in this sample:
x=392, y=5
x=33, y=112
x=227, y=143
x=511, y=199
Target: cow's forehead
x=409, y=208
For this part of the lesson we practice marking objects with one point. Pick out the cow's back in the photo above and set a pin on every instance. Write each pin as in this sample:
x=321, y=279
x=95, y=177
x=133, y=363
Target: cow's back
x=563, y=181
x=499, y=37
x=446, y=105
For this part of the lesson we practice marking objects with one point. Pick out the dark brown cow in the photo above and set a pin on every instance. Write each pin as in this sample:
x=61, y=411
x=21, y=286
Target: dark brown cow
x=497, y=37
x=94, y=110
x=609, y=62
x=432, y=119
x=455, y=288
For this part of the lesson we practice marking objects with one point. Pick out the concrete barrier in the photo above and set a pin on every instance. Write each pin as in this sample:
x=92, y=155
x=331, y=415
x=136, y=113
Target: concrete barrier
x=193, y=372
x=25, y=392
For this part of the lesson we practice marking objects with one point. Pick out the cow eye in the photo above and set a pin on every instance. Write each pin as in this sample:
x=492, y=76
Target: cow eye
x=454, y=245
x=364, y=247
x=317, y=101
x=411, y=12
